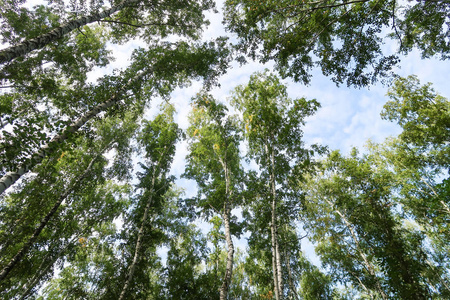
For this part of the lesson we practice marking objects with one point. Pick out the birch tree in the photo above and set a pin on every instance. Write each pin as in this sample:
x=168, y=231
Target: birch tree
x=360, y=235
x=69, y=197
x=158, y=138
x=52, y=25
x=272, y=126
x=343, y=38
x=158, y=72
x=213, y=162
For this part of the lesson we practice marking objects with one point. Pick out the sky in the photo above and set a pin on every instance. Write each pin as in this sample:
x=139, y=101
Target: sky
x=348, y=117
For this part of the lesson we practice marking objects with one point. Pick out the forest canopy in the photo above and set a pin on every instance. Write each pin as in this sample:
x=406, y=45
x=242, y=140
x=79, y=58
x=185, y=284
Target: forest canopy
x=89, y=203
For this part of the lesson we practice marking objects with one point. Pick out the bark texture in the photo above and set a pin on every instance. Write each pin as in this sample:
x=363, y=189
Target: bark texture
x=367, y=264
x=8, y=54
x=11, y=177
x=276, y=258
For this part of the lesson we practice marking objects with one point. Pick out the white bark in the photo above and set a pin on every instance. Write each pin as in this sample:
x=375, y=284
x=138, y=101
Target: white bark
x=230, y=253
x=368, y=265
x=11, y=177
x=290, y=276
x=8, y=54
x=276, y=259
x=139, y=240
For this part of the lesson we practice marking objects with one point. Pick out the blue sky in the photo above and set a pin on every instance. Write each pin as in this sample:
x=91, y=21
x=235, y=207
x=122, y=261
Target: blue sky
x=348, y=116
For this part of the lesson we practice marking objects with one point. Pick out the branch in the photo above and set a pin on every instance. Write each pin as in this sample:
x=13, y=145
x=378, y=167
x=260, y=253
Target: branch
x=316, y=7
x=394, y=26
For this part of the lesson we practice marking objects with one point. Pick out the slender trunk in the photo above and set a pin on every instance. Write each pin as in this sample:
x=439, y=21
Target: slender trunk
x=11, y=177
x=45, y=221
x=435, y=195
x=360, y=252
x=275, y=219
x=41, y=270
x=288, y=265
x=139, y=239
x=276, y=263
x=8, y=54
x=369, y=292
x=229, y=270
x=226, y=218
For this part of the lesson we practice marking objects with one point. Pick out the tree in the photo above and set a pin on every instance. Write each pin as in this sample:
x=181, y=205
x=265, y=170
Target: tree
x=69, y=197
x=158, y=138
x=272, y=126
x=344, y=38
x=30, y=30
x=159, y=71
x=214, y=163
x=359, y=234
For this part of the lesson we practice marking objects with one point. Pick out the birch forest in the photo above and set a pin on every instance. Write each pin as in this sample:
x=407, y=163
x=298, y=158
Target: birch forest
x=90, y=207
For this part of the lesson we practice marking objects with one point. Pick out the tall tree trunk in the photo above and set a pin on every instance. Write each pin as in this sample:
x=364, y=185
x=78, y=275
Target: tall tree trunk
x=139, y=240
x=276, y=262
x=46, y=219
x=287, y=257
x=8, y=54
x=230, y=253
x=11, y=177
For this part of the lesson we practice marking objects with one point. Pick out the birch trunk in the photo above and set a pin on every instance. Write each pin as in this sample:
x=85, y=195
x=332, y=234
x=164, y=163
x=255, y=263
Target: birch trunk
x=368, y=265
x=8, y=54
x=139, y=240
x=45, y=266
x=276, y=263
x=11, y=177
x=290, y=277
x=5, y=271
x=226, y=218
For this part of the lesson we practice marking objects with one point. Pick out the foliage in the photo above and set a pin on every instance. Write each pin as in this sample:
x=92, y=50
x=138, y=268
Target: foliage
x=343, y=38
x=89, y=208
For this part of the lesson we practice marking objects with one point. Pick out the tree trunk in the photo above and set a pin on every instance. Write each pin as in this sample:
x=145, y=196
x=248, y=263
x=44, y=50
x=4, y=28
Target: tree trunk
x=45, y=221
x=290, y=277
x=11, y=177
x=276, y=260
x=8, y=54
x=368, y=265
x=139, y=239
x=44, y=267
x=226, y=218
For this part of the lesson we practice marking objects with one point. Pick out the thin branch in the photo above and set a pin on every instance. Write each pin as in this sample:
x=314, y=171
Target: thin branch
x=394, y=26
x=316, y=7
x=143, y=25
x=80, y=31
x=215, y=209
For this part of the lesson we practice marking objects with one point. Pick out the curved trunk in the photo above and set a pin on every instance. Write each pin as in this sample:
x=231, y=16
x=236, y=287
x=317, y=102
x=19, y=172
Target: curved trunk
x=11, y=177
x=5, y=271
x=8, y=54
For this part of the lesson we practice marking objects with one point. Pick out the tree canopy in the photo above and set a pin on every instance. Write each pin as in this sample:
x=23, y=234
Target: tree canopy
x=89, y=202
x=345, y=39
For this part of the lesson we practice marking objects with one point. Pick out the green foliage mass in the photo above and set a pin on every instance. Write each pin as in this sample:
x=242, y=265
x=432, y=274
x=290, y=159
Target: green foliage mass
x=89, y=208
